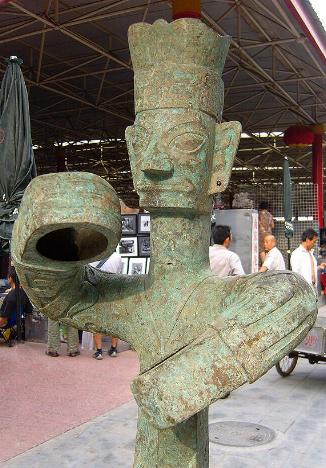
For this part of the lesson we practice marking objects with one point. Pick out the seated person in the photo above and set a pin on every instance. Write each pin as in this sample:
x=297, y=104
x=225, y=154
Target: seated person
x=9, y=305
x=3, y=285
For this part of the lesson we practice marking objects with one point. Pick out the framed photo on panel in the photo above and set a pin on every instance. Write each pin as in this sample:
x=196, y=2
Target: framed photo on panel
x=137, y=266
x=128, y=247
x=144, y=246
x=129, y=224
x=144, y=223
x=125, y=261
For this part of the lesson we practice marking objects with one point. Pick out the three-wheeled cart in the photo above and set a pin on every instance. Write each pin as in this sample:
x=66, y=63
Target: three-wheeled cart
x=313, y=347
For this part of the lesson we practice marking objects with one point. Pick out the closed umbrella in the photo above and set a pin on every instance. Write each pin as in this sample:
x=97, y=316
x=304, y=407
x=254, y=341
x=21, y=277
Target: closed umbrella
x=16, y=153
x=17, y=165
x=287, y=206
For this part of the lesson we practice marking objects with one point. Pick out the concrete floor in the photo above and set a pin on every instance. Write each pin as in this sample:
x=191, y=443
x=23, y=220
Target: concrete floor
x=293, y=407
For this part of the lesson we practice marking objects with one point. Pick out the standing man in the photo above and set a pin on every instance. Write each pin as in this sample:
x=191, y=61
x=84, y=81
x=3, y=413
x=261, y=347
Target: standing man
x=54, y=340
x=303, y=260
x=274, y=259
x=266, y=224
x=223, y=262
x=113, y=264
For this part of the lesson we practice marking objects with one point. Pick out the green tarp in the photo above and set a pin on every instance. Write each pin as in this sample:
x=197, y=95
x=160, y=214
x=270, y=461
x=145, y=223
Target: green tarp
x=17, y=165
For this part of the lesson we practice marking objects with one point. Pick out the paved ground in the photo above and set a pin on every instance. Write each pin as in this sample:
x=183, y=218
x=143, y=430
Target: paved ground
x=293, y=407
x=43, y=397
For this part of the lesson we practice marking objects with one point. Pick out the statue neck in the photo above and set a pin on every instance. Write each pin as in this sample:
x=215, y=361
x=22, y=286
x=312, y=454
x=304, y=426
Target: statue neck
x=179, y=242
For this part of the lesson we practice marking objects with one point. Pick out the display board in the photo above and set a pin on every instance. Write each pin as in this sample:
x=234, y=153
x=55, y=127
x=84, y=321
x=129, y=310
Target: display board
x=244, y=228
x=135, y=245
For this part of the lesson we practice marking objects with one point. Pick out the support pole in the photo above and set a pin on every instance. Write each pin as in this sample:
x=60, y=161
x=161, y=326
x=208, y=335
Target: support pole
x=317, y=175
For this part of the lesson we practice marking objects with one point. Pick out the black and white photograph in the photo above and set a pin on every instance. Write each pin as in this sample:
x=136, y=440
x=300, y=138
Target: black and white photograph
x=144, y=223
x=129, y=224
x=128, y=247
x=125, y=261
x=137, y=266
x=147, y=265
x=144, y=246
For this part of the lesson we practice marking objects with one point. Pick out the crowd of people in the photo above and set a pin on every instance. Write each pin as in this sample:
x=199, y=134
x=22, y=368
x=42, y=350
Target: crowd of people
x=223, y=263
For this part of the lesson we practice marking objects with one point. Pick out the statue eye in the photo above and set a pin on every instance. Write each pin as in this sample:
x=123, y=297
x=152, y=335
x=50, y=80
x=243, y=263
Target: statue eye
x=188, y=142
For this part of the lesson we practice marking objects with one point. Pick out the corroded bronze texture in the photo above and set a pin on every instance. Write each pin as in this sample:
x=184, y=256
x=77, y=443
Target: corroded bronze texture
x=197, y=336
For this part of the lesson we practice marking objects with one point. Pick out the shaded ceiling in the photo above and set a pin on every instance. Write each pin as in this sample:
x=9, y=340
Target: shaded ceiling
x=78, y=71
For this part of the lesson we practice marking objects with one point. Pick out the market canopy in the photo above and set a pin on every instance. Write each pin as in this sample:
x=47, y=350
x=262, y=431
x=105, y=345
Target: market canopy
x=78, y=71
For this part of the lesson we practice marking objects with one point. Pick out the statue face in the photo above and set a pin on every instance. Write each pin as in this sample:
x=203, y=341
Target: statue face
x=173, y=155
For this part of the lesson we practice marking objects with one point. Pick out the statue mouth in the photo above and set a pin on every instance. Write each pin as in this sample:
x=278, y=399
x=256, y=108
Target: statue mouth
x=181, y=202
x=181, y=186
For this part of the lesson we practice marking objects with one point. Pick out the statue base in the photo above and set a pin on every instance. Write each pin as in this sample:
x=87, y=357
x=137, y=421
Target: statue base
x=185, y=445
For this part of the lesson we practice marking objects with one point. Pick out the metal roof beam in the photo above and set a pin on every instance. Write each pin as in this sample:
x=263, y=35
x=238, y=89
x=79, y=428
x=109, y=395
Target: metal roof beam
x=295, y=109
x=74, y=9
x=55, y=126
x=254, y=96
x=68, y=70
x=90, y=15
x=284, y=81
x=244, y=55
x=290, y=24
x=79, y=99
x=282, y=55
x=77, y=37
x=82, y=75
x=110, y=83
x=16, y=26
x=253, y=111
x=261, y=141
x=51, y=25
x=274, y=109
x=39, y=66
x=100, y=89
x=272, y=43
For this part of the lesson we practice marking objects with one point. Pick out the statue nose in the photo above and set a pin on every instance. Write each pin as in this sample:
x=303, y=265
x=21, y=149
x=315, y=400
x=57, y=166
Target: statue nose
x=158, y=165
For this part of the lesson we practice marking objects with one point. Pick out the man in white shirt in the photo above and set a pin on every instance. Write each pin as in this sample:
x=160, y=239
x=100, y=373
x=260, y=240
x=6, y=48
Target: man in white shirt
x=303, y=260
x=113, y=264
x=223, y=262
x=274, y=259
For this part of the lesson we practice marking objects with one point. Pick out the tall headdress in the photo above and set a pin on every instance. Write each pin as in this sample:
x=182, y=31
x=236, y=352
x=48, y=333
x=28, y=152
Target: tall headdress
x=178, y=64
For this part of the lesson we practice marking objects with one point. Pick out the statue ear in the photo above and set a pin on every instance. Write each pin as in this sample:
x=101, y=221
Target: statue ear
x=227, y=137
x=130, y=149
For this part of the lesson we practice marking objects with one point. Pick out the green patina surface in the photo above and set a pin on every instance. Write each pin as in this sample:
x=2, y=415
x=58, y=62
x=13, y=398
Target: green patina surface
x=197, y=336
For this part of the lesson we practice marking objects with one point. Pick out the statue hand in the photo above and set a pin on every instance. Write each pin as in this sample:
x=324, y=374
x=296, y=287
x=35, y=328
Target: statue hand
x=65, y=221
x=266, y=316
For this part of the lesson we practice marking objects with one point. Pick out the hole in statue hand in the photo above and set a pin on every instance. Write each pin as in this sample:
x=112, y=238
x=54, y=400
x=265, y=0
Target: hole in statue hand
x=72, y=244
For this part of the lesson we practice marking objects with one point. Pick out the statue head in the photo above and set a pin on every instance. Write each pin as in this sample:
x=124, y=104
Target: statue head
x=180, y=153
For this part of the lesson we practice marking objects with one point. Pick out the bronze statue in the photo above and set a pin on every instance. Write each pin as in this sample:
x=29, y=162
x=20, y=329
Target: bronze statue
x=197, y=336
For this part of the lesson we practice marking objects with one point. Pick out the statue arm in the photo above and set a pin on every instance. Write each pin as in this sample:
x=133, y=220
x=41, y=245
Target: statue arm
x=257, y=320
x=66, y=221
x=84, y=298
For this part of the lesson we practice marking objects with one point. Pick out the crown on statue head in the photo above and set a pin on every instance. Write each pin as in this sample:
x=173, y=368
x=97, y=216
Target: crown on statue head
x=178, y=64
